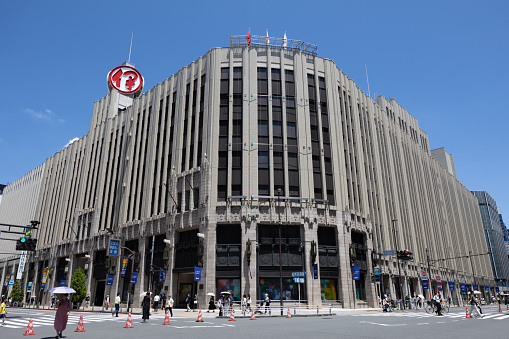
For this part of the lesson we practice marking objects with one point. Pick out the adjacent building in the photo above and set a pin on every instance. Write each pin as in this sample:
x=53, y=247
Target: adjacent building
x=250, y=161
x=494, y=232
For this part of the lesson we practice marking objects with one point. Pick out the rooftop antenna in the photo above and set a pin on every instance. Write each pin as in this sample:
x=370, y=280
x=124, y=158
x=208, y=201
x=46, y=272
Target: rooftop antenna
x=132, y=34
x=367, y=79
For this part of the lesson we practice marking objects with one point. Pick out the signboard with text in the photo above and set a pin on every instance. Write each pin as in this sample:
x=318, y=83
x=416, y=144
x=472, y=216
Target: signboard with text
x=113, y=247
x=109, y=279
x=356, y=272
x=425, y=285
x=134, y=280
x=451, y=286
x=125, y=262
x=197, y=273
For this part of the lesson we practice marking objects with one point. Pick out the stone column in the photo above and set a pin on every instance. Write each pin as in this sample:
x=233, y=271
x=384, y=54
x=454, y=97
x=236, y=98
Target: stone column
x=346, y=288
x=249, y=278
x=208, y=273
x=140, y=284
x=313, y=288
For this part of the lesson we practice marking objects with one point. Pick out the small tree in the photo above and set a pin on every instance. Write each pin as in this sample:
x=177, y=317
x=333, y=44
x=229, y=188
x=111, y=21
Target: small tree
x=79, y=285
x=17, y=293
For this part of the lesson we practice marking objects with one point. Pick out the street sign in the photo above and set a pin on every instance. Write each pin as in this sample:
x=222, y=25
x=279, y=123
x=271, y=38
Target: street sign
x=356, y=272
x=438, y=278
x=299, y=280
x=125, y=262
x=423, y=274
x=315, y=271
x=29, y=287
x=425, y=285
x=134, y=280
x=451, y=286
x=463, y=287
x=162, y=276
x=389, y=252
x=298, y=274
x=62, y=282
x=197, y=273
x=113, y=247
x=109, y=279
x=45, y=273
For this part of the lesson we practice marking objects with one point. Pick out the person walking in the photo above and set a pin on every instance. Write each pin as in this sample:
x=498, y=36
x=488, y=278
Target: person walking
x=145, y=305
x=267, y=303
x=195, y=302
x=156, y=302
x=107, y=301
x=212, y=305
x=87, y=300
x=117, y=305
x=163, y=301
x=3, y=312
x=248, y=302
x=188, y=302
x=62, y=314
x=169, y=305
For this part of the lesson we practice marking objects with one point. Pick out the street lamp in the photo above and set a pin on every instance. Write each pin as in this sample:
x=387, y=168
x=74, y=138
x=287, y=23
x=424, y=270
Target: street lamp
x=280, y=261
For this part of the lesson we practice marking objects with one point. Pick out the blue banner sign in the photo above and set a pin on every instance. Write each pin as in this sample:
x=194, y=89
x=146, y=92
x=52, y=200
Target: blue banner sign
x=463, y=288
x=113, y=247
x=125, y=262
x=356, y=272
x=162, y=275
x=486, y=288
x=43, y=286
x=109, y=279
x=134, y=280
x=451, y=286
x=476, y=288
x=197, y=273
x=315, y=271
x=62, y=282
x=425, y=285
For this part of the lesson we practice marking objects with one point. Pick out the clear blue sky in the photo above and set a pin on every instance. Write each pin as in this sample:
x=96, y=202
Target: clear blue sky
x=446, y=62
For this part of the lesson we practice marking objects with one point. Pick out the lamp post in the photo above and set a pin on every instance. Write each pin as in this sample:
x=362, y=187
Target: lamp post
x=280, y=261
x=472, y=266
x=397, y=259
x=132, y=272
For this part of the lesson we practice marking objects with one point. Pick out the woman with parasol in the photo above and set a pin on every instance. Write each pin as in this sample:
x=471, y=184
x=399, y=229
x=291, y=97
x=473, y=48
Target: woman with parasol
x=63, y=309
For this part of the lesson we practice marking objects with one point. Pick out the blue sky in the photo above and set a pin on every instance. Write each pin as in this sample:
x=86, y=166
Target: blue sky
x=446, y=62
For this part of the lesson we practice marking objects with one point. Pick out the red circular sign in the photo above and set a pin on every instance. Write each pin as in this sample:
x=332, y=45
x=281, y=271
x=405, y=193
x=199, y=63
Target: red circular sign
x=125, y=79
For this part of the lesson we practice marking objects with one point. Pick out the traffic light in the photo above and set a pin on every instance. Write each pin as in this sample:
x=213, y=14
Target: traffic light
x=26, y=244
x=405, y=255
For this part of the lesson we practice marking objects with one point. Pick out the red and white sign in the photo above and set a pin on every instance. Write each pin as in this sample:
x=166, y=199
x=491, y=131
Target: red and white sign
x=423, y=273
x=438, y=278
x=126, y=80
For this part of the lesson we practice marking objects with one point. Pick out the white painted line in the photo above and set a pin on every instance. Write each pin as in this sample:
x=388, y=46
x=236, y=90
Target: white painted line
x=422, y=323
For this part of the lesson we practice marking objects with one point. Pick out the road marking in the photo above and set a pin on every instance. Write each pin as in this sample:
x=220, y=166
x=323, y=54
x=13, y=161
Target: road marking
x=422, y=323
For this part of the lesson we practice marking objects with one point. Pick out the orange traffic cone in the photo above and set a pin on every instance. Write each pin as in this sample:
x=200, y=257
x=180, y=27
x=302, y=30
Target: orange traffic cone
x=507, y=307
x=468, y=315
x=129, y=322
x=499, y=308
x=80, y=327
x=200, y=317
x=232, y=317
x=288, y=315
x=167, y=319
x=253, y=317
x=30, y=328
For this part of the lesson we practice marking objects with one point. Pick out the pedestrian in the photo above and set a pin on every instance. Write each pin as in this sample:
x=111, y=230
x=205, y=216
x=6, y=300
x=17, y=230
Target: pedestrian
x=169, y=305
x=156, y=302
x=220, y=306
x=87, y=300
x=188, y=302
x=195, y=302
x=212, y=305
x=107, y=301
x=473, y=305
x=62, y=314
x=145, y=305
x=117, y=305
x=3, y=312
x=248, y=302
x=163, y=301
x=267, y=303
x=244, y=303
x=53, y=301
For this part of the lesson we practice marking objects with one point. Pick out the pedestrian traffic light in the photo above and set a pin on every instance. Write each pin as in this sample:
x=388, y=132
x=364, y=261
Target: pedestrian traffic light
x=405, y=255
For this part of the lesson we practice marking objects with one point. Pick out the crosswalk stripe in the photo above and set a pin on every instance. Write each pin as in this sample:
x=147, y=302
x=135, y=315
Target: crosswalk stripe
x=502, y=317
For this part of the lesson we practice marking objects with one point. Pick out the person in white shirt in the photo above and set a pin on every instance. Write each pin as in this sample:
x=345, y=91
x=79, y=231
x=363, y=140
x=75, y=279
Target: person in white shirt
x=156, y=302
x=117, y=305
x=437, y=298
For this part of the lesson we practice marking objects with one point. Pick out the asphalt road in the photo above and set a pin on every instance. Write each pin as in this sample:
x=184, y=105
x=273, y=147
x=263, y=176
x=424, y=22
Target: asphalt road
x=353, y=324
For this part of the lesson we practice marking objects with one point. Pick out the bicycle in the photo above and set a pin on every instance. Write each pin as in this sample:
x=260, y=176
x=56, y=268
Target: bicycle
x=431, y=308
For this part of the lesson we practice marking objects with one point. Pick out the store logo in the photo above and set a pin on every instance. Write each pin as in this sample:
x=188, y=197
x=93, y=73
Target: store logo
x=126, y=80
